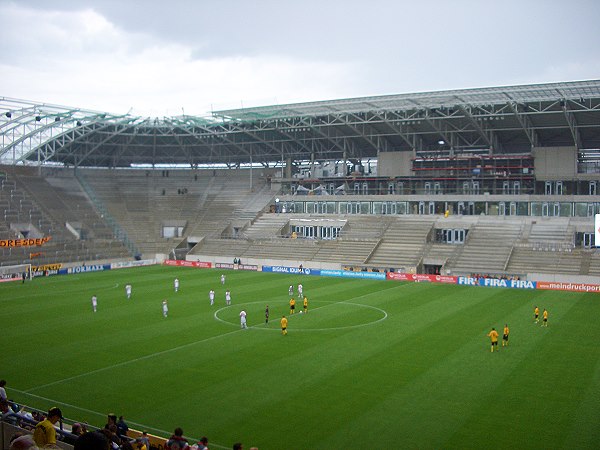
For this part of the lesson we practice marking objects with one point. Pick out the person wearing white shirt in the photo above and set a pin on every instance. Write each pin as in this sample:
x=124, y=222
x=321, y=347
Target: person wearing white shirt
x=3, y=391
x=211, y=297
x=243, y=319
x=128, y=291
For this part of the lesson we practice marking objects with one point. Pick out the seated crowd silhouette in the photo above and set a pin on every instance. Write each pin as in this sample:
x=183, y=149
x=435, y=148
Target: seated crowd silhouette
x=37, y=429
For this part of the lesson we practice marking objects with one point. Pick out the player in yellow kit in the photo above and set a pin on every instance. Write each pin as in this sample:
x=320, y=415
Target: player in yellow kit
x=536, y=314
x=505, y=336
x=305, y=304
x=284, y=325
x=292, y=305
x=545, y=318
x=493, y=335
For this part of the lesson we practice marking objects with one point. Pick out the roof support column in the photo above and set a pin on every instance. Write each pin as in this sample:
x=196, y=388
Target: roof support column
x=572, y=122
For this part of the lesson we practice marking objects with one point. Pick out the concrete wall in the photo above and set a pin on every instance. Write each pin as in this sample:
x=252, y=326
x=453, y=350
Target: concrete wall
x=589, y=279
x=392, y=164
x=264, y=262
x=555, y=163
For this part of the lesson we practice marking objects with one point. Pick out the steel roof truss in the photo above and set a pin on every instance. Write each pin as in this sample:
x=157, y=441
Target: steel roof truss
x=526, y=124
x=488, y=136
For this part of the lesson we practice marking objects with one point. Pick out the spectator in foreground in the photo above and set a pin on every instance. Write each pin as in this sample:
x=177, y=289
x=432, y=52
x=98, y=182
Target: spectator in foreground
x=122, y=427
x=126, y=445
x=203, y=443
x=93, y=440
x=23, y=442
x=3, y=396
x=111, y=419
x=44, y=434
x=111, y=434
x=145, y=440
x=76, y=431
x=177, y=441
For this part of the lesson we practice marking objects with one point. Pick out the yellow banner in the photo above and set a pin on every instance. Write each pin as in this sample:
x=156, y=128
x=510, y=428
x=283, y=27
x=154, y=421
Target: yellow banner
x=24, y=242
x=46, y=267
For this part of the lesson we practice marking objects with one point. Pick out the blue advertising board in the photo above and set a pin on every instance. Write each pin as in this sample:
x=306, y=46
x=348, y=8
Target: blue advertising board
x=496, y=282
x=291, y=270
x=350, y=274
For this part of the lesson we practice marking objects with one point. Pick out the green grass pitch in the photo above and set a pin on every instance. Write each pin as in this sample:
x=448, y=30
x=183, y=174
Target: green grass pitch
x=374, y=364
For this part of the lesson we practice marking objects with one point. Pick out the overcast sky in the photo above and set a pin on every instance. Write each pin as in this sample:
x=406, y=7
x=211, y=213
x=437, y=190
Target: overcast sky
x=159, y=58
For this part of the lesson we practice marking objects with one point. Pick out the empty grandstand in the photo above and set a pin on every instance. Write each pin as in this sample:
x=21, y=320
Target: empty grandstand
x=501, y=180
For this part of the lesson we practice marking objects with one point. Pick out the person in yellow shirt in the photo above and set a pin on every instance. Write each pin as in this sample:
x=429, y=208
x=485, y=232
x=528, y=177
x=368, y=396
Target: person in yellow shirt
x=284, y=325
x=305, y=304
x=505, y=336
x=545, y=318
x=493, y=335
x=536, y=314
x=292, y=305
x=44, y=434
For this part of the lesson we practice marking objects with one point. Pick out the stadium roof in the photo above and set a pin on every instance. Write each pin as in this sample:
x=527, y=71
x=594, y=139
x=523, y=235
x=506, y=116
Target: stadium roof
x=440, y=99
x=510, y=119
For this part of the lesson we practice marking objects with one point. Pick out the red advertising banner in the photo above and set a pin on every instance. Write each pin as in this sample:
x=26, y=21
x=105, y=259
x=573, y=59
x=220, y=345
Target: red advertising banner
x=574, y=287
x=236, y=266
x=399, y=276
x=179, y=263
x=9, y=278
x=421, y=277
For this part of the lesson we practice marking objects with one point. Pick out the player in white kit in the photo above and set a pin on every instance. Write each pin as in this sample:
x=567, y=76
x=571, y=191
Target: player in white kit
x=243, y=319
x=94, y=302
x=176, y=284
x=165, y=308
x=291, y=290
x=223, y=279
x=228, y=297
x=300, y=290
x=128, y=291
x=211, y=297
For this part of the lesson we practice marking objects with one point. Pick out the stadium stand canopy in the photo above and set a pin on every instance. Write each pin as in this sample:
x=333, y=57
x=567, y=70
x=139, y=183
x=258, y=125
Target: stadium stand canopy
x=495, y=120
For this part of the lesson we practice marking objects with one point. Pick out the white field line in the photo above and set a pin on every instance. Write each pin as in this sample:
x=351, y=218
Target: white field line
x=152, y=355
x=262, y=326
x=162, y=352
x=130, y=361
